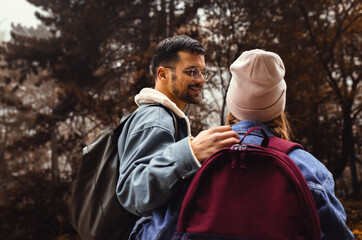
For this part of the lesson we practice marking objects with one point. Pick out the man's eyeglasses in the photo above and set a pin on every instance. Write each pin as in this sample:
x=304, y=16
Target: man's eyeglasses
x=195, y=73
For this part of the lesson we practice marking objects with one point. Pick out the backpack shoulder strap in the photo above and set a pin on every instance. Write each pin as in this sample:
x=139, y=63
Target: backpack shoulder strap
x=174, y=120
x=282, y=145
x=274, y=142
x=117, y=131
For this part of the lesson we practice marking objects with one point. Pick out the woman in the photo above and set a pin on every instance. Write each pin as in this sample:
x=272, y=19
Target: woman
x=256, y=97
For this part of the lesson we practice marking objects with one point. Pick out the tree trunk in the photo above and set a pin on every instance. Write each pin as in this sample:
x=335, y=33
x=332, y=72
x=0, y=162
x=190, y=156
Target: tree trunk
x=3, y=168
x=171, y=19
x=54, y=156
x=348, y=148
x=348, y=156
x=163, y=18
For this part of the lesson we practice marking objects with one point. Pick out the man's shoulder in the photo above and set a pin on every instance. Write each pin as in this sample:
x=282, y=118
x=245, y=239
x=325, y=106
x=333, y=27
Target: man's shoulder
x=153, y=111
x=153, y=116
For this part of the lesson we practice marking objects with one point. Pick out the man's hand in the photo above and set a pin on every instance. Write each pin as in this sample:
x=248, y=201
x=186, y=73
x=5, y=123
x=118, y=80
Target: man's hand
x=209, y=141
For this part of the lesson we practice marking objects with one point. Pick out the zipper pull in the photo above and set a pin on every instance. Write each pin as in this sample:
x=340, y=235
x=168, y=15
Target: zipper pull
x=239, y=147
x=238, y=156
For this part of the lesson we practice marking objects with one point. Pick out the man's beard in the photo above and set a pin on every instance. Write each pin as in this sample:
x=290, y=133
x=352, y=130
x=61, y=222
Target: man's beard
x=184, y=94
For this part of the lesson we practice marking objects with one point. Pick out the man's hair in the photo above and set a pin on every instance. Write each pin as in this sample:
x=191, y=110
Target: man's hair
x=165, y=52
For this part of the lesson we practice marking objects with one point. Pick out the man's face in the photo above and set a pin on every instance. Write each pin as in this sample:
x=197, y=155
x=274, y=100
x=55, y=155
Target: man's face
x=183, y=86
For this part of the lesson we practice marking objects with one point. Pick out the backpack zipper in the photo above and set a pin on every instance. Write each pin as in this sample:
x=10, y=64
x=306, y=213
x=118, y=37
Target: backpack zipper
x=241, y=147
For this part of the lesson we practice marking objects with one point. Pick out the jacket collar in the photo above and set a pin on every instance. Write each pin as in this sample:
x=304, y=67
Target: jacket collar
x=149, y=95
x=243, y=126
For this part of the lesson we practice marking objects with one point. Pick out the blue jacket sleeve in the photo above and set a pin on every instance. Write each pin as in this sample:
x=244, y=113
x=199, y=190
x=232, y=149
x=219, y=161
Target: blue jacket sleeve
x=152, y=164
x=320, y=181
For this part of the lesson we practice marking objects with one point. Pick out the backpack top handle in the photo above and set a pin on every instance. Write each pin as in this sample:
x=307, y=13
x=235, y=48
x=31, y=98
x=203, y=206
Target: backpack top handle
x=265, y=141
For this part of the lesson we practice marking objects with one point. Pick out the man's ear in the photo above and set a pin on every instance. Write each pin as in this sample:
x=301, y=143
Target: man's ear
x=161, y=74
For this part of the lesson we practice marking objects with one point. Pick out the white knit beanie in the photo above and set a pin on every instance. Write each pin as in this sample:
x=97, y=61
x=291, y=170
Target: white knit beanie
x=257, y=89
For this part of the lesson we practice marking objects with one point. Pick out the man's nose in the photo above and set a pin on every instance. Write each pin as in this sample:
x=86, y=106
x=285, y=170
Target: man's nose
x=200, y=79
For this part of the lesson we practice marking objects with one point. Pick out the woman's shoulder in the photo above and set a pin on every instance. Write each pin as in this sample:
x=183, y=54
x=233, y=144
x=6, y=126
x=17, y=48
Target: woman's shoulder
x=311, y=168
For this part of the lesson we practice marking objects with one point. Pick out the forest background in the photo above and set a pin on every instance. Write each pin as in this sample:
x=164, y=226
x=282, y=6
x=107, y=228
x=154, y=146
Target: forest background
x=77, y=73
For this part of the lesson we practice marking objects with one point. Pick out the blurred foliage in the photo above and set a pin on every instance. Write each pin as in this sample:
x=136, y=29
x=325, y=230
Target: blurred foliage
x=64, y=82
x=354, y=216
x=35, y=207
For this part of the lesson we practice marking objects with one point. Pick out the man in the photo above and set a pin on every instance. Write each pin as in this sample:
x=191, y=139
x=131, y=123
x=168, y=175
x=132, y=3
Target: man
x=155, y=168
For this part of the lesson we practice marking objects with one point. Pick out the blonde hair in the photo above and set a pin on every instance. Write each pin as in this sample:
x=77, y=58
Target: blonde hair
x=279, y=126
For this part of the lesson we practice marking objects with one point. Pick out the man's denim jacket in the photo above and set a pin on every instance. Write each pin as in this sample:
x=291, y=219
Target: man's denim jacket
x=154, y=170
x=320, y=181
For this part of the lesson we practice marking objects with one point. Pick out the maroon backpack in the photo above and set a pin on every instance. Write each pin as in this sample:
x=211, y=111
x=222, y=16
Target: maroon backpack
x=249, y=192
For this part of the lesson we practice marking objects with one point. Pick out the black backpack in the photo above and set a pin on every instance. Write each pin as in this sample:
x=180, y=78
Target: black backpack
x=95, y=211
